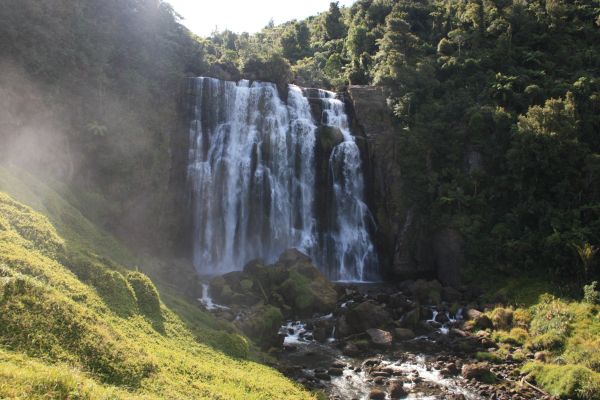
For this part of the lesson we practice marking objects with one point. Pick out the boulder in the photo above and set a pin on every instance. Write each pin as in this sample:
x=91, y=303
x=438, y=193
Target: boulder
x=328, y=137
x=479, y=371
x=342, y=328
x=380, y=337
x=541, y=356
x=254, y=267
x=403, y=334
x=477, y=320
x=429, y=292
x=351, y=350
x=293, y=257
x=292, y=284
x=367, y=315
x=306, y=290
x=412, y=318
x=399, y=301
x=397, y=390
x=377, y=394
x=262, y=326
x=472, y=314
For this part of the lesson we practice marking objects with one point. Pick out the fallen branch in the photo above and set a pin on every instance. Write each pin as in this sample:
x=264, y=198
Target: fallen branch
x=523, y=381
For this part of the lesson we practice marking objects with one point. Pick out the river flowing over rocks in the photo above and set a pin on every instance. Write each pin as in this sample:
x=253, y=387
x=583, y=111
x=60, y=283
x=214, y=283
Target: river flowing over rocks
x=414, y=340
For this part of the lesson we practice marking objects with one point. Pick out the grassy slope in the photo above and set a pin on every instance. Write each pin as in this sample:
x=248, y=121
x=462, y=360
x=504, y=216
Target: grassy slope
x=76, y=324
x=564, y=331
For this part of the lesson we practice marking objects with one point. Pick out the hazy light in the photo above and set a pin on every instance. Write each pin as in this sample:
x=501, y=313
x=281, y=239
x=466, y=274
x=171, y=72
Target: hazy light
x=203, y=16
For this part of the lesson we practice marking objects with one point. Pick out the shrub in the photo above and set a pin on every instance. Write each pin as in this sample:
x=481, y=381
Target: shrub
x=234, y=345
x=263, y=325
x=490, y=357
x=519, y=355
x=148, y=300
x=565, y=381
x=546, y=341
x=552, y=316
x=501, y=318
x=585, y=351
x=590, y=294
x=521, y=318
x=516, y=336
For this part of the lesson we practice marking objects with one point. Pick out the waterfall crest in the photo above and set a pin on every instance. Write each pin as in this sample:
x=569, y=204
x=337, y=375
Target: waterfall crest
x=251, y=175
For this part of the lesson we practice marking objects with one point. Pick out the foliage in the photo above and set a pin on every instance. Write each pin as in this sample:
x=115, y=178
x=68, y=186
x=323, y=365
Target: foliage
x=274, y=68
x=516, y=336
x=61, y=337
x=146, y=294
x=565, y=381
x=489, y=357
x=590, y=294
x=501, y=317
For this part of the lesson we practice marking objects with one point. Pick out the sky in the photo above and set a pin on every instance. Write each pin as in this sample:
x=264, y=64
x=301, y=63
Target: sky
x=202, y=16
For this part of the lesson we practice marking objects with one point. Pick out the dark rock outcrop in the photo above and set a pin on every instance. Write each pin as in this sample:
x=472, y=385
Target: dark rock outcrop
x=402, y=237
x=367, y=315
x=449, y=256
x=408, y=247
x=262, y=325
x=292, y=284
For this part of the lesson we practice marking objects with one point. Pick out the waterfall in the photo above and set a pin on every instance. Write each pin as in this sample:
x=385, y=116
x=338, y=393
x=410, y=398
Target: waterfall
x=251, y=175
x=349, y=245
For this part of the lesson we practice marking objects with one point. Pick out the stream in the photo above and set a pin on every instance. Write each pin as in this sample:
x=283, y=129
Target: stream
x=323, y=365
x=421, y=352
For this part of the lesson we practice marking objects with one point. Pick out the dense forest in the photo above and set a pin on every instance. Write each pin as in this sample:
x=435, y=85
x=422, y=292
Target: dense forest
x=495, y=107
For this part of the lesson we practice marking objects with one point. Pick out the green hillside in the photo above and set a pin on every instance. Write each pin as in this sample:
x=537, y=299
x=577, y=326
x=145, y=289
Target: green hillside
x=76, y=324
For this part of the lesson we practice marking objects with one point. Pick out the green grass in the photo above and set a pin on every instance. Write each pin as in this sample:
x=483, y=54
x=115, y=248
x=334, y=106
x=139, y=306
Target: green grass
x=489, y=357
x=565, y=381
x=568, y=331
x=76, y=324
x=515, y=337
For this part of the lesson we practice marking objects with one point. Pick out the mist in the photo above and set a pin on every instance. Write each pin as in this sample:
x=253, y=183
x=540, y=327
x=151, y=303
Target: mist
x=33, y=133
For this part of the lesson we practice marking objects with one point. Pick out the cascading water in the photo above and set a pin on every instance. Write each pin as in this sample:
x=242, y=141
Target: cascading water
x=348, y=244
x=252, y=178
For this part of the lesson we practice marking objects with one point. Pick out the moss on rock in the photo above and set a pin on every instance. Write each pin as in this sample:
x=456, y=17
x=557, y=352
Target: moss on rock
x=263, y=325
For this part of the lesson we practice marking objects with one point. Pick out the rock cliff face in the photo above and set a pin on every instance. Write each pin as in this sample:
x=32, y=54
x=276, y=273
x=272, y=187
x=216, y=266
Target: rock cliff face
x=407, y=244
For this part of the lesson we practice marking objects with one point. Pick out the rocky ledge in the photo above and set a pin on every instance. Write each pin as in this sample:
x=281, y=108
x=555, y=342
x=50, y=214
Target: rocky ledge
x=260, y=297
